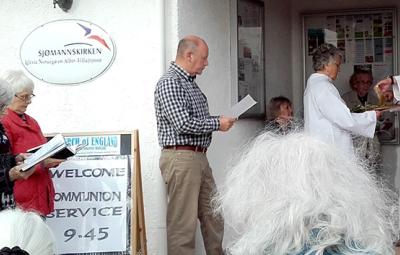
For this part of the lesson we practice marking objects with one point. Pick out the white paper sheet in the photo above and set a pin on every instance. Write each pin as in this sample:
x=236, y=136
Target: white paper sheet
x=241, y=107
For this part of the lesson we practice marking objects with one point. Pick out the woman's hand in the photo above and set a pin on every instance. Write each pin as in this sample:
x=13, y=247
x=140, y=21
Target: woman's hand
x=19, y=159
x=15, y=173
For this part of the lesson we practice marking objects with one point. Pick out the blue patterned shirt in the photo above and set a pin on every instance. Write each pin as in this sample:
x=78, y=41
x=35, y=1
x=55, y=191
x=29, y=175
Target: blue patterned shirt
x=182, y=111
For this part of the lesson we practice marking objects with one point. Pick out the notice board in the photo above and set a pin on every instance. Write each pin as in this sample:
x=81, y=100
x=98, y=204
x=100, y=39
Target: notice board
x=251, y=62
x=367, y=38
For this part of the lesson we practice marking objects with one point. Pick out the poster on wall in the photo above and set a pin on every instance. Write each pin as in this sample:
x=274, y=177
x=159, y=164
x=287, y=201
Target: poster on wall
x=251, y=80
x=365, y=37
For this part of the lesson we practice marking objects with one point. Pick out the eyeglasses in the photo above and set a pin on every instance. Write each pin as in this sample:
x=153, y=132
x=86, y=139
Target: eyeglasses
x=25, y=97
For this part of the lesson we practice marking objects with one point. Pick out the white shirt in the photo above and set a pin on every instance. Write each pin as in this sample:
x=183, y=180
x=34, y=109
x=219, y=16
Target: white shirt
x=396, y=87
x=327, y=117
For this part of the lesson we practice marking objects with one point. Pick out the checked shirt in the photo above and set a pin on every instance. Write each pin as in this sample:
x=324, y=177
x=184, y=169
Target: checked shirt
x=182, y=111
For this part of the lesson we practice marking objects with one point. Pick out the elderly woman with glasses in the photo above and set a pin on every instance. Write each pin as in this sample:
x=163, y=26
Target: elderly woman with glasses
x=9, y=170
x=37, y=192
x=326, y=115
x=360, y=83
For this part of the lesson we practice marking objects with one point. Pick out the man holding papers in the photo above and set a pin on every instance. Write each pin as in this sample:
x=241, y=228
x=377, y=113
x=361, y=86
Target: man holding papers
x=185, y=128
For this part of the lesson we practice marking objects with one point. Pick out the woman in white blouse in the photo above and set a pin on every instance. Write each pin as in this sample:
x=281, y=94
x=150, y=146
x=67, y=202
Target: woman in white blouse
x=326, y=115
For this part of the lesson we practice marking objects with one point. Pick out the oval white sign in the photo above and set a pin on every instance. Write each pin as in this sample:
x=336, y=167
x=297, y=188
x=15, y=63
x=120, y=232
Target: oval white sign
x=67, y=51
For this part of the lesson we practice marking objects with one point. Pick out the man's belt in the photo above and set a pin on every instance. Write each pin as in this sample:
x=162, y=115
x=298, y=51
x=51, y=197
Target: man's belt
x=186, y=148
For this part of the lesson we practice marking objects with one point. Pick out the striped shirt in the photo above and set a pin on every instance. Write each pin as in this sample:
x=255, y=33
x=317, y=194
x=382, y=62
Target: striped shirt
x=182, y=111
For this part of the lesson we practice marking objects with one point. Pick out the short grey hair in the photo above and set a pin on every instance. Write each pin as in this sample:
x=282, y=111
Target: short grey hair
x=190, y=42
x=6, y=94
x=185, y=44
x=18, y=80
x=325, y=54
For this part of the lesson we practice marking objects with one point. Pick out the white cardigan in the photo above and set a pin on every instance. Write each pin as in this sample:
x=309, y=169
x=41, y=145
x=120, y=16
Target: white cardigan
x=327, y=117
x=396, y=87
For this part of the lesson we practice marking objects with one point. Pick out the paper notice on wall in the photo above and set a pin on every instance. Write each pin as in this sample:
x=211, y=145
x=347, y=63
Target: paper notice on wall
x=241, y=107
x=92, y=205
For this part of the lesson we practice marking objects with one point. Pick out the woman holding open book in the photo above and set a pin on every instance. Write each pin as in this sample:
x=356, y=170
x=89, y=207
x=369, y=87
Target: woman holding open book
x=9, y=172
x=37, y=192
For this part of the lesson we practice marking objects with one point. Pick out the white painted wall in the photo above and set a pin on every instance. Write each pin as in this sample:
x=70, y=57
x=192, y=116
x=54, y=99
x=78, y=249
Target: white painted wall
x=278, y=49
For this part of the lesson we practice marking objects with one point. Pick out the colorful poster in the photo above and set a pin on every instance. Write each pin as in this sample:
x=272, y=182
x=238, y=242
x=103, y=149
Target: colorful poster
x=364, y=37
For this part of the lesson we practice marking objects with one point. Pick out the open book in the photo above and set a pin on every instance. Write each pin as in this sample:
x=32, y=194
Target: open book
x=55, y=148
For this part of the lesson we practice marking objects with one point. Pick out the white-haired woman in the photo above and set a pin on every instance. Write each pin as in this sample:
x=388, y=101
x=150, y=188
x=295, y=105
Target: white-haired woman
x=37, y=192
x=24, y=233
x=326, y=115
x=9, y=172
x=294, y=194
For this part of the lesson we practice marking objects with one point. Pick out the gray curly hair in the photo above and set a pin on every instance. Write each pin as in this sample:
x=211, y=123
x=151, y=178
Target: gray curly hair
x=17, y=80
x=325, y=54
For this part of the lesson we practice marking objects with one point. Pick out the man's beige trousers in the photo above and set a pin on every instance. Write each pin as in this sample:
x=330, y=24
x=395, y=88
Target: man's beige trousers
x=190, y=186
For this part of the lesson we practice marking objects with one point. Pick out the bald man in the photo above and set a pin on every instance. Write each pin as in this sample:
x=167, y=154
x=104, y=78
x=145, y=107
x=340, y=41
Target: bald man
x=185, y=128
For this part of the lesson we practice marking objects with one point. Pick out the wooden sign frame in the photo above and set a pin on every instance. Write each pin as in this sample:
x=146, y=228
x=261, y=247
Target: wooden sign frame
x=138, y=230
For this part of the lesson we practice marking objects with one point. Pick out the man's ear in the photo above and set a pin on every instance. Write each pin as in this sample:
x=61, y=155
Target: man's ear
x=189, y=56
